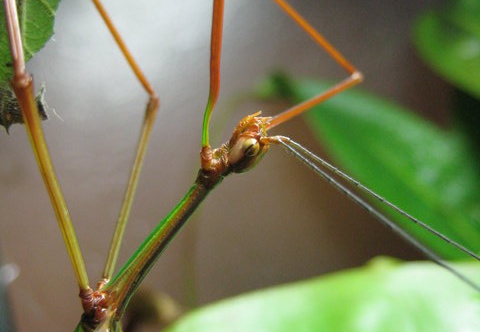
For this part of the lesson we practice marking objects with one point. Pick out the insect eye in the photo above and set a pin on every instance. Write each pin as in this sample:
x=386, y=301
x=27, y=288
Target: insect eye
x=244, y=151
x=251, y=147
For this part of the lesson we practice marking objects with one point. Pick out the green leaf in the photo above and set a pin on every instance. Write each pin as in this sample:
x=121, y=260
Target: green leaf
x=36, y=25
x=427, y=172
x=384, y=296
x=449, y=41
x=36, y=19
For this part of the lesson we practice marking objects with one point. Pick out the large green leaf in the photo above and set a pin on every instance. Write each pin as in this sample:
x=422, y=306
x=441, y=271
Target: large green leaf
x=449, y=41
x=428, y=172
x=36, y=25
x=384, y=296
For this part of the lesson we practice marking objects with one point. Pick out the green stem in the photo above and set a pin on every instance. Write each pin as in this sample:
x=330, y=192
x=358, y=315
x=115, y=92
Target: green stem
x=124, y=284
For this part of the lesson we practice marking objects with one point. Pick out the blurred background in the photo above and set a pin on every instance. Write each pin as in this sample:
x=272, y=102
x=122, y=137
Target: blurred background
x=276, y=224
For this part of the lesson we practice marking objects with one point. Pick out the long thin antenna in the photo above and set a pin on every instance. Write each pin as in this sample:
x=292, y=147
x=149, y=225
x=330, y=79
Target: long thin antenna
x=381, y=199
x=306, y=157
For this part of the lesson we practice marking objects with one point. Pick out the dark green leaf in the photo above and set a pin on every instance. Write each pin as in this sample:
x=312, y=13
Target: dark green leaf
x=384, y=296
x=428, y=172
x=449, y=41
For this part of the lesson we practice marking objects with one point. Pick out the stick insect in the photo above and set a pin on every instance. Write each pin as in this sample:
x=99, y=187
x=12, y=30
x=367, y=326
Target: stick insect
x=107, y=241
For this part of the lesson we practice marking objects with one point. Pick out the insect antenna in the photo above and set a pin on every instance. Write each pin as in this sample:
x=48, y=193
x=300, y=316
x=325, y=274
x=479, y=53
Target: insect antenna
x=314, y=163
